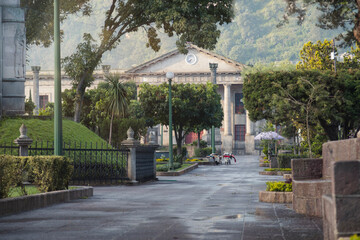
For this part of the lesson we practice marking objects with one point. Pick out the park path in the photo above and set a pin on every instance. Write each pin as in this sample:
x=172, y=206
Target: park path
x=211, y=202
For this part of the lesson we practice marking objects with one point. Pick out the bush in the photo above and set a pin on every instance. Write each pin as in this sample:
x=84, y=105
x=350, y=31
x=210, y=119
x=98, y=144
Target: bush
x=203, y=144
x=29, y=106
x=277, y=169
x=355, y=237
x=165, y=167
x=266, y=161
x=50, y=173
x=183, y=151
x=278, y=187
x=284, y=160
x=202, y=152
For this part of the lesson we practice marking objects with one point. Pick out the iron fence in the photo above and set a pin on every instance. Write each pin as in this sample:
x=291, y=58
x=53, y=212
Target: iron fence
x=93, y=163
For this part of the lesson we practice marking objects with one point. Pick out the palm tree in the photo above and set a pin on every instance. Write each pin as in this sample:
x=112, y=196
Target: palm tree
x=118, y=98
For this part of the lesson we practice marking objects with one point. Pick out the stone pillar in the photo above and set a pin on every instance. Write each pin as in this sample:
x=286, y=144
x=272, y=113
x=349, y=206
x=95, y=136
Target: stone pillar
x=249, y=137
x=248, y=124
x=23, y=141
x=228, y=139
x=36, y=98
x=106, y=69
x=12, y=52
x=131, y=144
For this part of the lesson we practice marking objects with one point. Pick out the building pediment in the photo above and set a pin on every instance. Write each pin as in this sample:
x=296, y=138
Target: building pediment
x=195, y=61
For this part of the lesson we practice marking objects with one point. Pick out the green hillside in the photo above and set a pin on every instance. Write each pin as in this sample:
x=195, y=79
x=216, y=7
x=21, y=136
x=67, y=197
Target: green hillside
x=252, y=37
x=43, y=130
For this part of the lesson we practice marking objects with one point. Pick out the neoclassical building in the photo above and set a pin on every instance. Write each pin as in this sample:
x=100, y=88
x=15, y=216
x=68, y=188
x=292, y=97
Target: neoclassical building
x=237, y=132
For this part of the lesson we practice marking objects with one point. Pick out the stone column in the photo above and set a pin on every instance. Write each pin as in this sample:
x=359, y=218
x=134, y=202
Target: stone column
x=228, y=139
x=131, y=144
x=36, y=98
x=12, y=64
x=23, y=141
x=248, y=124
x=249, y=137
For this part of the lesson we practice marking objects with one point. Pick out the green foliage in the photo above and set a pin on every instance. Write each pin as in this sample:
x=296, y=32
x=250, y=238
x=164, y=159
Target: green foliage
x=316, y=56
x=278, y=187
x=334, y=15
x=266, y=161
x=355, y=237
x=277, y=169
x=19, y=191
x=165, y=167
x=48, y=110
x=203, y=152
x=284, y=160
x=49, y=173
x=39, y=18
x=183, y=153
x=194, y=107
x=29, y=106
x=203, y=143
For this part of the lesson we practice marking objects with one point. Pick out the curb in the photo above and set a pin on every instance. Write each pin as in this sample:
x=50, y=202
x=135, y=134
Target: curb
x=275, y=197
x=10, y=206
x=188, y=169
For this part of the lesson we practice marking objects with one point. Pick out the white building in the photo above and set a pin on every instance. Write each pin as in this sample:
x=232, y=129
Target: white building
x=237, y=132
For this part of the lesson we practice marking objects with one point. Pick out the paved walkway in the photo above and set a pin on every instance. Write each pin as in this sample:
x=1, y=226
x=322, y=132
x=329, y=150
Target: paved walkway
x=211, y=202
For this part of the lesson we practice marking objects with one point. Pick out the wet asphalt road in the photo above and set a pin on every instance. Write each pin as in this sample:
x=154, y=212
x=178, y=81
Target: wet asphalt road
x=211, y=202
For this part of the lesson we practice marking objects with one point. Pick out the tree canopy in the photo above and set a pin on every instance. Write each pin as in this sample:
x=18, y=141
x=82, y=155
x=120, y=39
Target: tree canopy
x=194, y=106
x=39, y=18
x=343, y=15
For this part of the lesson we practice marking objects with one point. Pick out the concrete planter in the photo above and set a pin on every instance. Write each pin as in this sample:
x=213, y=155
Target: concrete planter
x=276, y=173
x=264, y=165
x=178, y=173
x=26, y=203
x=275, y=197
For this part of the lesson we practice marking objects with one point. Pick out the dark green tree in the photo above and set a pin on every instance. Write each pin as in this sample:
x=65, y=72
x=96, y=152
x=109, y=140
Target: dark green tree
x=186, y=113
x=39, y=18
x=191, y=21
x=344, y=15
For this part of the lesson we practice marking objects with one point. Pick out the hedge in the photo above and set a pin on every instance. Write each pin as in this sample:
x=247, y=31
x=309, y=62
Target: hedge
x=49, y=173
x=284, y=160
x=278, y=187
x=202, y=152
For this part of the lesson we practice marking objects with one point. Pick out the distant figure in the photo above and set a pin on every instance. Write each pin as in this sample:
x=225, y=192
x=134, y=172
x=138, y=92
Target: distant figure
x=228, y=157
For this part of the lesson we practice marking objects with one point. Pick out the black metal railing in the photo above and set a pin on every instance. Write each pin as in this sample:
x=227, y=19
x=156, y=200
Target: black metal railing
x=93, y=163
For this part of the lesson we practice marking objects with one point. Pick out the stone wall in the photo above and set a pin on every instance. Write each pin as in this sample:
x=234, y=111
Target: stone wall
x=12, y=64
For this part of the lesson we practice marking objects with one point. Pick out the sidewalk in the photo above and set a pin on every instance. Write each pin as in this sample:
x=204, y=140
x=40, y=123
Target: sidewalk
x=211, y=202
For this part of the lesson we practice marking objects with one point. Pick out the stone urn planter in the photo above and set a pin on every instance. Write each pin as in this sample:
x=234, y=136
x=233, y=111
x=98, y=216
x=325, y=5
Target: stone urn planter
x=275, y=197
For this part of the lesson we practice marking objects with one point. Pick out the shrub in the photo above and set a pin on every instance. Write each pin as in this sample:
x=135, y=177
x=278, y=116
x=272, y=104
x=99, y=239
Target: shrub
x=194, y=160
x=202, y=152
x=203, y=144
x=50, y=173
x=355, y=237
x=277, y=169
x=165, y=167
x=278, y=187
x=266, y=161
x=183, y=151
x=284, y=160
x=29, y=106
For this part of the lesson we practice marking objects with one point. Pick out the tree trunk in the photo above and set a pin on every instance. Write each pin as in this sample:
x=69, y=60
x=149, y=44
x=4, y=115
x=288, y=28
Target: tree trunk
x=198, y=142
x=308, y=132
x=79, y=97
x=111, y=124
x=331, y=130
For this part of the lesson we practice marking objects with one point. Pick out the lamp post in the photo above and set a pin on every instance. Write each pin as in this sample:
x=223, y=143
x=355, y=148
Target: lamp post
x=57, y=83
x=213, y=67
x=170, y=76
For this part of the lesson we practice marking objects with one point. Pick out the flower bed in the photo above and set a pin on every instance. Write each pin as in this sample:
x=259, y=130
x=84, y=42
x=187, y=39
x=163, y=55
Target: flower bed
x=277, y=192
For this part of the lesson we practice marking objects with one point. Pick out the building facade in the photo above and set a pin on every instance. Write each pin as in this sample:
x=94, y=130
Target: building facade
x=237, y=132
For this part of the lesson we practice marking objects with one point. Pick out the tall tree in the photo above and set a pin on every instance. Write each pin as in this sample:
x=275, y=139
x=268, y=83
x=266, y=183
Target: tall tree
x=191, y=21
x=39, y=18
x=186, y=113
x=344, y=15
x=118, y=99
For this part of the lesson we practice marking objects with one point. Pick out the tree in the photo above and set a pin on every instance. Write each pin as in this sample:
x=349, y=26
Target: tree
x=39, y=18
x=191, y=21
x=185, y=101
x=316, y=56
x=118, y=99
x=343, y=15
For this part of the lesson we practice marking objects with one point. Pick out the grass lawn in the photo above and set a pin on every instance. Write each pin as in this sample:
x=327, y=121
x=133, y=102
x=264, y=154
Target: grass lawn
x=43, y=130
x=184, y=166
x=30, y=190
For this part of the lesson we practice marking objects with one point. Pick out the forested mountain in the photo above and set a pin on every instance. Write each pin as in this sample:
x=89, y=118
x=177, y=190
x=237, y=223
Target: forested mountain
x=252, y=37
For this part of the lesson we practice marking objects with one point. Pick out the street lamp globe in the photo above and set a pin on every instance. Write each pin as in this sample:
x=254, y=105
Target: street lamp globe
x=169, y=75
